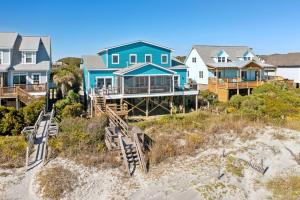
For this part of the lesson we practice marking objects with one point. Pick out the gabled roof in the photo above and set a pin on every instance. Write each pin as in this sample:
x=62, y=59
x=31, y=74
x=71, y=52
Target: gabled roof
x=93, y=62
x=30, y=43
x=283, y=60
x=138, y=41
x=208, y=52
x=141, y=65
x=7, y=40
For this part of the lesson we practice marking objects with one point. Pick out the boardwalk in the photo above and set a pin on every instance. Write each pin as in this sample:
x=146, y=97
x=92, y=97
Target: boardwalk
x=25, y=187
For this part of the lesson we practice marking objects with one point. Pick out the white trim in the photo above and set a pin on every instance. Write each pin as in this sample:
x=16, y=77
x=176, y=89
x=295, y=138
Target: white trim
x=33, y=54
x=112, y=58
x=145, y=64
x=150, y=58
x=142, y=41
x=149, y=75
x=161, y=60
x=135, y=55
x=40, y=74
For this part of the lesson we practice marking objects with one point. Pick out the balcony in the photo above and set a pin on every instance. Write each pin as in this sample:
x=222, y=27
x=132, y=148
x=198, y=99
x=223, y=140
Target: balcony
x=12, y=92
x=231, y=83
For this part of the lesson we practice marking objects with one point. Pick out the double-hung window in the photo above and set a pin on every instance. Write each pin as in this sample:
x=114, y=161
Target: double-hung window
x=164, y=59
x=200, y=74
x=148, y=58
x=176, y=81
x=194, y=59
x=132, y=58
x=36, y=78
x=105, y=82
x=221, y=59
x=115, y=58
x=28, y=57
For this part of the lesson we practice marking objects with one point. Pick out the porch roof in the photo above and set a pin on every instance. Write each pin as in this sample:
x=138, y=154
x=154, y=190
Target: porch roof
x=4, y=68
x=238, y=64
x=144, y=69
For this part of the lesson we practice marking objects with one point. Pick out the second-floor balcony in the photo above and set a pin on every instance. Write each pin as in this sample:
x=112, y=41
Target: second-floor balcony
x=12, y=92
x=232, y=83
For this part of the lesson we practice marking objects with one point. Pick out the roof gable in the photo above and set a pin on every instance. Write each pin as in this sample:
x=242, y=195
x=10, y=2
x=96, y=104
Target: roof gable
x=7, y=40
x=135, y=42
x=93, y=62
x=145, y=69
x=30, y=43
x=208, y=52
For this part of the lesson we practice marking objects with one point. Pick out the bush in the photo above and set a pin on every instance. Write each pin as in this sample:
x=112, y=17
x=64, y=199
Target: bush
x=12, y=151
x=73, y=110
x=32, y=111
x=82, y=140
x=11, y=121
x=285, y=187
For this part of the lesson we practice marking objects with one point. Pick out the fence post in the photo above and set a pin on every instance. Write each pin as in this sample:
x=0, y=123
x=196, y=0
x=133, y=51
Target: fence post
x=27, y=158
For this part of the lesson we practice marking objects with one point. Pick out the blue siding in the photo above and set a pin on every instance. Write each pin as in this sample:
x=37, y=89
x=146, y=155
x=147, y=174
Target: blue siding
x=140, y=49
x=149, y=70
x=183, y=76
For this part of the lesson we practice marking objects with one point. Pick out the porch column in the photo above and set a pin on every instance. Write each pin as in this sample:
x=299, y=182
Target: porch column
x=173, y=83
x=91, y=107
x=17, y=103
x=183, y=99
x=123, y=85
x=240, y=75
x=196, y=102
x=171, y=105
x=217, y=80
x=147, y=106
x=149, y=84
x=1, y=80
x=260, y=75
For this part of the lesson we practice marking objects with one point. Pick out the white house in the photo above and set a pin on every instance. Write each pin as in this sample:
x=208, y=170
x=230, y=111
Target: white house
x=288, y=66
x=201, y=56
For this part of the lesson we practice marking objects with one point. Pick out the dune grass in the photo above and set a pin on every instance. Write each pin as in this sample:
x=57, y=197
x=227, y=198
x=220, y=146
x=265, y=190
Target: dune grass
x=285, y=187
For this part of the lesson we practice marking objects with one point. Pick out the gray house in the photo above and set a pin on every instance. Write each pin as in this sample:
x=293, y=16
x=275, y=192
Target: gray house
x=24, y=59
x=25, y=63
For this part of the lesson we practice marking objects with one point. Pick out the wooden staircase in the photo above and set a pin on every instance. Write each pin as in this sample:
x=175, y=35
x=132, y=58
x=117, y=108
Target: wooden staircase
x=24, y=96
x=128, y=142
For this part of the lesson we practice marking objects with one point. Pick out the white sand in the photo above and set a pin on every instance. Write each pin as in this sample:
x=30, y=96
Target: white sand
x=193, y=177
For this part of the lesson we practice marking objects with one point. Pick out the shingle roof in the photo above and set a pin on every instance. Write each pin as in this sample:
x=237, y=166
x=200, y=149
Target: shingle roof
x=41, y=66
x=290, y=59
x=208, y=52
x=30, y=43
x=93, y=62
x=7, y=40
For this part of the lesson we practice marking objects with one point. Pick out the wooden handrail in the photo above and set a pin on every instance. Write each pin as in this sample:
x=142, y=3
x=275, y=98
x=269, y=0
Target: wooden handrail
x=125, y=161
x=140, y=152
x=118, y=121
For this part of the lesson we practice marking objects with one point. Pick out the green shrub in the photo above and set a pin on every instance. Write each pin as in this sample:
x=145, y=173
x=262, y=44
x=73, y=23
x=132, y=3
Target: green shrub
x=12, y=151
x=32, y=111
x=73, y=110
x=11, y=121
x=236, y=101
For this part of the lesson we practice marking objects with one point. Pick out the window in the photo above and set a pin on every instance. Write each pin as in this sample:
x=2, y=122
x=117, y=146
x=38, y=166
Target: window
x=19, y=79
x=244, y=75
x=36, y=78
x=221, y=59
x=176, y=81
x=148, y=58
x=115, y=58
x=247, y=58
x=103, y=82
x=164, y=59
x=27, y=57
x=194, y=59
x=132, y=59
x=200, y=74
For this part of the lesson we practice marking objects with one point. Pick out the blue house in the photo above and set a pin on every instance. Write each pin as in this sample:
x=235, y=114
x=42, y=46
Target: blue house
x=136, y=70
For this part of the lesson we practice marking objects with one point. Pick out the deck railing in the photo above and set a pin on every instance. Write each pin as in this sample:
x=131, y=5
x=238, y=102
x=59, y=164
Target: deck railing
x=32, y=87
x=231, y=83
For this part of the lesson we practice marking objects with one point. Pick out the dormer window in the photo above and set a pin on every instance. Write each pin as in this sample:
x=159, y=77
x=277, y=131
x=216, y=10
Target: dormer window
x=115, y=58
x=28, y=57
x=221, y=59
x=247, y=58
x=164, y=59
x=133, y=58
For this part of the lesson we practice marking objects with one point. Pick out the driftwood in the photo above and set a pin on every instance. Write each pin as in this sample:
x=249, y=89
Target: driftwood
x=259, y=167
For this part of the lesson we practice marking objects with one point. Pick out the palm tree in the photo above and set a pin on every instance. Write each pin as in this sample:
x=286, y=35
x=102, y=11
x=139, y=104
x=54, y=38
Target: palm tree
x=66, y=78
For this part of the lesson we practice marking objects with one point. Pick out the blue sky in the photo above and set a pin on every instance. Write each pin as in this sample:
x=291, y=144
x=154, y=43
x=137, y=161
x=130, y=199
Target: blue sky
x=83, y=27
